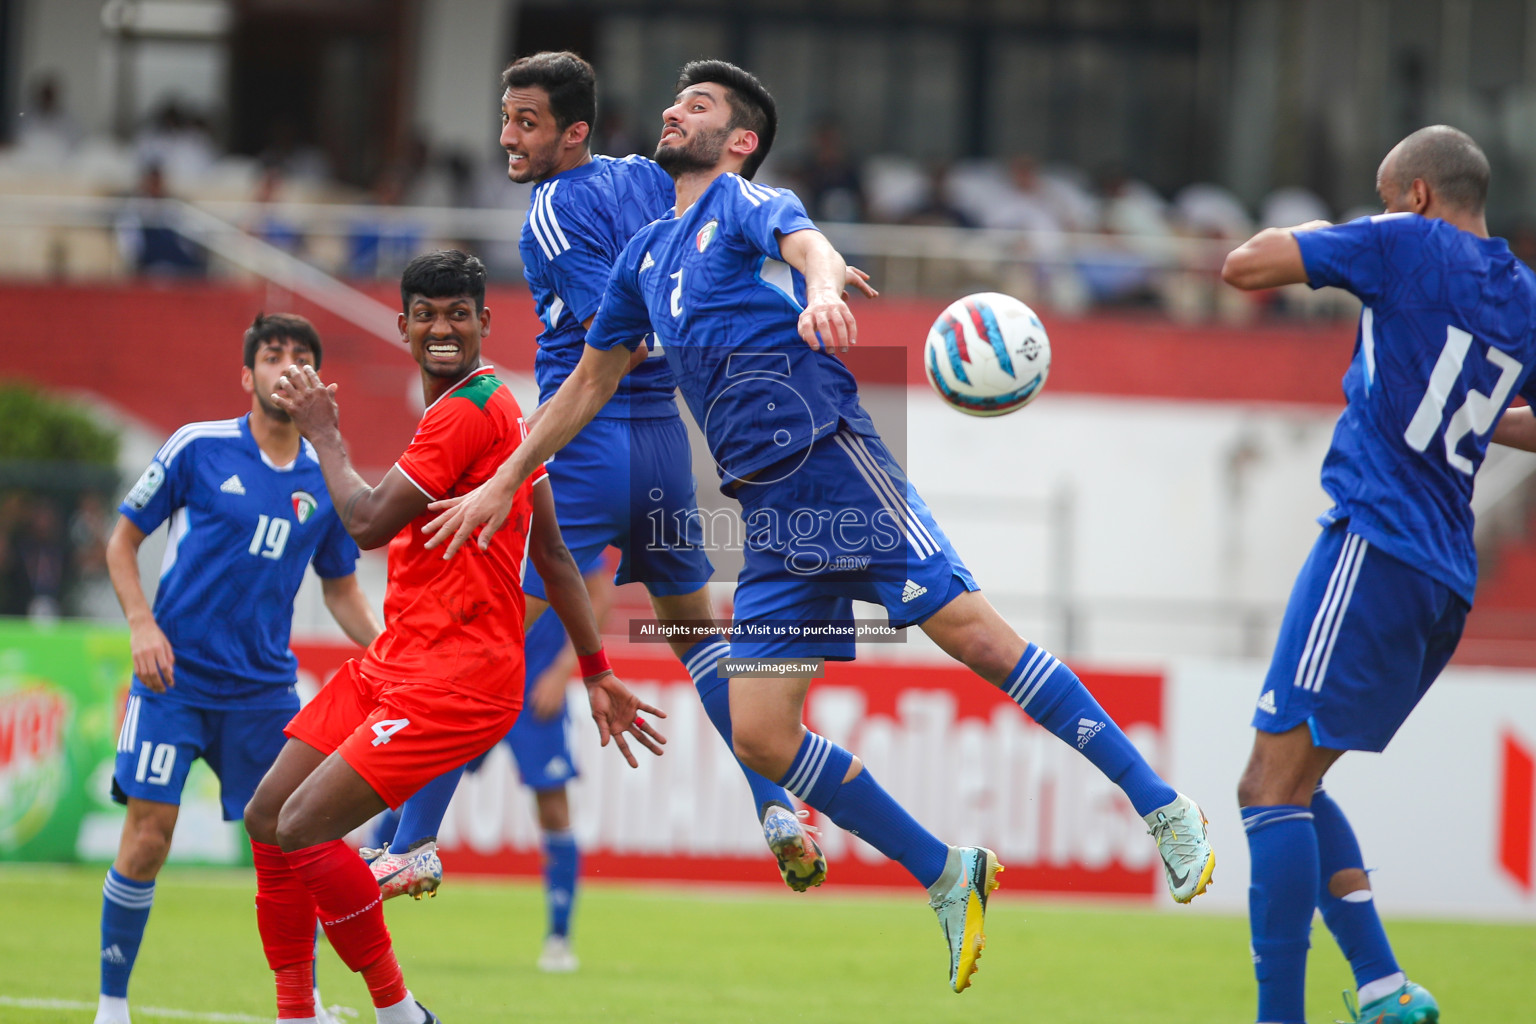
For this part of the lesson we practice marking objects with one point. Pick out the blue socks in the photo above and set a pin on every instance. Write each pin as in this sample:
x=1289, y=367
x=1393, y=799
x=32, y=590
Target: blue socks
x=1283, y=847
x=124, y=913
x=862, y=807
x=1051, y=694
x=1295, y=851
x=562, y=863
x=422, y=815
x=701, y=661
x=1352, y=920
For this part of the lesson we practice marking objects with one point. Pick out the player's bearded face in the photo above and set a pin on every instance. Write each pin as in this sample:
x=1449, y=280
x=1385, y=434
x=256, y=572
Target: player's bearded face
x=529, y=135
x=271, y=410
x=699, y=150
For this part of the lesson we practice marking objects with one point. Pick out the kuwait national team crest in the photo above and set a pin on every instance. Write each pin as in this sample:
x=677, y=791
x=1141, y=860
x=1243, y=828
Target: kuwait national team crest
x=304, y=505
x=707, y=234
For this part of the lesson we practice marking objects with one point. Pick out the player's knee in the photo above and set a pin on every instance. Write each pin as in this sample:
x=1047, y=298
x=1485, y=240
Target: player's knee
x=261, y=821
x=289, y=833
x=1348, y=880
x=146, y=844
x=1250, y=788
x=146, y=839
x=293, y=827
x=759, y=750
x=554, y=809
x=987, y=652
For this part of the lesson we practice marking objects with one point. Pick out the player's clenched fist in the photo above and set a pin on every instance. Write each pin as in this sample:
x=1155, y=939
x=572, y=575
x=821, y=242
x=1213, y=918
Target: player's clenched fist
x=309, y=401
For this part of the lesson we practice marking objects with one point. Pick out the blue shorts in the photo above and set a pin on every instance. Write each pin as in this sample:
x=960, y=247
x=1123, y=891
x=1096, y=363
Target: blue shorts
x=629, y=483
x=542, y=749
x=846, y=525
x=541, y=746
x=161, y=737
x=1363, y=637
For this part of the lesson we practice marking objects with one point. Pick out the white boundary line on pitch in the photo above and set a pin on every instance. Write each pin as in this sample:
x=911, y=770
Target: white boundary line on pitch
x=143, y=1011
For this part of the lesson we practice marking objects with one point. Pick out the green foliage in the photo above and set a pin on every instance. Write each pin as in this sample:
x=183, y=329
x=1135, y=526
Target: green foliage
x=36, y=427
x=675, y=953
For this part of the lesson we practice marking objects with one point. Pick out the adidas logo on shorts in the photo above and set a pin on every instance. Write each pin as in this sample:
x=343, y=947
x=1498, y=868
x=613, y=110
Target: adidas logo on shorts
x=912, y=592
x=1267, y=702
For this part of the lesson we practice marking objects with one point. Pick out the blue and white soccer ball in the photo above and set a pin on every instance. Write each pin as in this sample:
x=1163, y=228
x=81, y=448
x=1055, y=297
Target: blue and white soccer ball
x=987, y=354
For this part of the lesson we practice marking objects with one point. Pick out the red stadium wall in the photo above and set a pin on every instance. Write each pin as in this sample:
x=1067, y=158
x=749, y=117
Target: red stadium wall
x=961, y=756
x=170, y=355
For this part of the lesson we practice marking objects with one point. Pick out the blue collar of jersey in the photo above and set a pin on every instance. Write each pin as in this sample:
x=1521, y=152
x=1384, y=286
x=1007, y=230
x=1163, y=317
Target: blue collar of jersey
x=251, y=442
x=592, y=166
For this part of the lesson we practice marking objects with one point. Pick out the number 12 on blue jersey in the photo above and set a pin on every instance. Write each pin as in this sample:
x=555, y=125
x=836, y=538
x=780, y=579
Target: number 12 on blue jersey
x=1476, y=414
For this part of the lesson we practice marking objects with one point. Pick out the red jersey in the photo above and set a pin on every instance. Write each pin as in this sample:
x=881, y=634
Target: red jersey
x=459, y=622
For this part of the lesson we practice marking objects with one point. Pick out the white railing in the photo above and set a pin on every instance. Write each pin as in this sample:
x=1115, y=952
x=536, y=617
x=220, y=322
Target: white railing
x=1057, y=269
x=219, y=237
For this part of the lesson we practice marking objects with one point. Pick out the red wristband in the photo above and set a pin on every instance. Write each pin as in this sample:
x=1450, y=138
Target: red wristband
x=593, y=664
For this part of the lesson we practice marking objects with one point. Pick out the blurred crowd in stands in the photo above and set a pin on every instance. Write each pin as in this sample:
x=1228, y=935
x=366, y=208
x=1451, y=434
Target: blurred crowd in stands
x=53, y=555
x=1074, y=240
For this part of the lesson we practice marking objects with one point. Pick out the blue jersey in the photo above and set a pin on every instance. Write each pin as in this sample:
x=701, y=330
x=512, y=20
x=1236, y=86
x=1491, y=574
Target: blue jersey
x=241, y=533
x=1447, y=337
x=724, y=306
x=578, y=223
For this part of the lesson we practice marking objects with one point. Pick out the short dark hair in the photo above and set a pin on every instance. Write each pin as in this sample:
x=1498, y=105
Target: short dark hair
x=752, y=105
x=275, y=327
x=444, y=274
x=1449, y=162
x=565, y=77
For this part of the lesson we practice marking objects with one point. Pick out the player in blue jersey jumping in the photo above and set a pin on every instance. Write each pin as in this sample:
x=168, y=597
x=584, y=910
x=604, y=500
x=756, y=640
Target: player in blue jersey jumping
x=745, y=298
x=213, y=675
x=1447, y=337
x=627, y=470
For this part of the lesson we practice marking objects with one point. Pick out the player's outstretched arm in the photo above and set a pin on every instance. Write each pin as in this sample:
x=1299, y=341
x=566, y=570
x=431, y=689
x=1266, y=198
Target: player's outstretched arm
x=153, y=660
x=1269, y=259
x=1516, y=429
x=615, y=710
x=579, y=399
x=348, y=605
x=371, y=515
x=826, y=323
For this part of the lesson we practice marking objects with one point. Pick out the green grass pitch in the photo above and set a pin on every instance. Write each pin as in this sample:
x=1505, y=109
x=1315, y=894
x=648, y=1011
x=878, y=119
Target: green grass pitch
x=680, y=955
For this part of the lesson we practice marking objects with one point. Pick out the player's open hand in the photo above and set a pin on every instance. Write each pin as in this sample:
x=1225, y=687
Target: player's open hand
x=153, y=661
x=308, y=400
x=827, y=324
x=485, y=509
x=859, y=280
x=617, y=712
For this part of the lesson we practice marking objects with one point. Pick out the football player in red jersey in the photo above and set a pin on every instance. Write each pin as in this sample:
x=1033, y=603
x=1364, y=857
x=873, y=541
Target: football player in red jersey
x=444, y=681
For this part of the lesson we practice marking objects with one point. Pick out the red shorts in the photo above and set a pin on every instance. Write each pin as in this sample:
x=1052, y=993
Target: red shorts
x=398, y=736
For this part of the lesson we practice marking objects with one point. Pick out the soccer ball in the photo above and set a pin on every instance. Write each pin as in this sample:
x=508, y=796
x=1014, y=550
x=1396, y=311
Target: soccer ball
x=987, y=354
